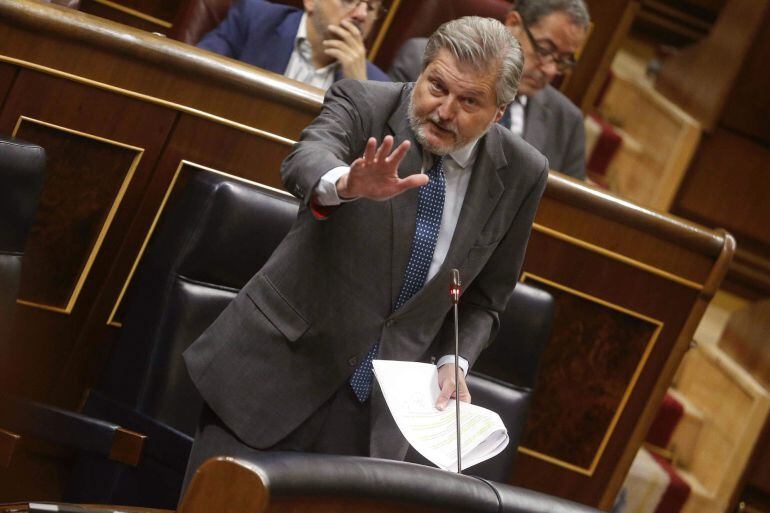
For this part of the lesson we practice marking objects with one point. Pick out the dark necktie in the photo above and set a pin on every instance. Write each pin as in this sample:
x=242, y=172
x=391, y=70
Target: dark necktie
x=430, y=206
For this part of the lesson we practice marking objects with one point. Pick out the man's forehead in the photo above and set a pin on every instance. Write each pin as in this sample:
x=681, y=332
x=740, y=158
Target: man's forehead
x=560, y=30
x=468, y=77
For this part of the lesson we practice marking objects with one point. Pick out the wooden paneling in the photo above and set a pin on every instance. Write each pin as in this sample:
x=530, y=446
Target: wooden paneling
x=700, y=77
x=747, y=110
x=727, y=186
x=7, y=76
x=610, y=24
x=630, y=286
x=144, y=14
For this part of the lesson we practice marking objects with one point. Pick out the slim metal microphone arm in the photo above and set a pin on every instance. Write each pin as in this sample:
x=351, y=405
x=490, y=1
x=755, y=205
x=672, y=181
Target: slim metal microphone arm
x=454, y=291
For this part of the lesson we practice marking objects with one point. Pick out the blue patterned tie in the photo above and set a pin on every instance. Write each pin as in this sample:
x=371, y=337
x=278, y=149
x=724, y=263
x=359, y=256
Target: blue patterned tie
x=430, y=206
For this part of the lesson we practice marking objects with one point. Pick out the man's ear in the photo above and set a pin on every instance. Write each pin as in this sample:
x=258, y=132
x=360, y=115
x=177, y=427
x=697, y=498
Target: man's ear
x=309, y=5
x=513, y=19
x=500, y=112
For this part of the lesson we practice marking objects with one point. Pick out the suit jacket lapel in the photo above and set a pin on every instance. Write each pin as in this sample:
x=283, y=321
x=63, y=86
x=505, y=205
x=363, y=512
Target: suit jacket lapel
x=403, y=206
x=277, y=48
x=535, y=126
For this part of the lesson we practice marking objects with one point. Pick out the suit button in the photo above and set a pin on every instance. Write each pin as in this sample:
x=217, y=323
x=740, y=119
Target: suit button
x=390, y=323
x=353, y=361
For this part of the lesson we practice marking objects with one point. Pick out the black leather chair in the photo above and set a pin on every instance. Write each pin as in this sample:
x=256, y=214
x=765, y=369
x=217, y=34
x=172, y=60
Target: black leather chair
x=215, y=234
x=22, y=168
x=256, y=481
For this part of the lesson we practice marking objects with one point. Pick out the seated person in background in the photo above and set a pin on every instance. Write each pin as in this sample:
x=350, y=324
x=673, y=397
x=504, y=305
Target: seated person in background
x=550, y=32
x=318, y=46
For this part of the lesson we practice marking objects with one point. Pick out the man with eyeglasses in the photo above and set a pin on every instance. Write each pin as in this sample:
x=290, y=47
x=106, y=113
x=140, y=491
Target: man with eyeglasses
x=550, y=33
x=317, y=46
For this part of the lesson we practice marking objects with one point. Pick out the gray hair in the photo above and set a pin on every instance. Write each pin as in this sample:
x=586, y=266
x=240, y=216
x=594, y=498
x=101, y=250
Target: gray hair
x=481, y=43
x=532, y=11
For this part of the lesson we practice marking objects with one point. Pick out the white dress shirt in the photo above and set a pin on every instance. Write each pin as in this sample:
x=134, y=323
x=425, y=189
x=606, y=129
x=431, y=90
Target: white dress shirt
x=301, y=66
x=518, y=115
x=457, y=174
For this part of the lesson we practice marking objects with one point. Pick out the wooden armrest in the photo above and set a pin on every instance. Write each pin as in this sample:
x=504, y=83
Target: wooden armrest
x=8, y=441
x=71, y=429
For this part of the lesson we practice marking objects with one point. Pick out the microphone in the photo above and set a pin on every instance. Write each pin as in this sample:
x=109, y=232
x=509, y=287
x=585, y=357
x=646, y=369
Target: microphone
x=454, y=292
x=454, y=288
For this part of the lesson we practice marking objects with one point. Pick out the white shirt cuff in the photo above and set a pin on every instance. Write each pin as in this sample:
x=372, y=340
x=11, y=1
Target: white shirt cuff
x=326, y=191
x=450, y=358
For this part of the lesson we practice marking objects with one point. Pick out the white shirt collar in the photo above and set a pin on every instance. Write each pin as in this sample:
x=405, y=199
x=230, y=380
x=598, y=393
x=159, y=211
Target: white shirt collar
x=304, y=48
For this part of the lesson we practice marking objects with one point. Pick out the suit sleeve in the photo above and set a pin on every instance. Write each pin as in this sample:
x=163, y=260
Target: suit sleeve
x=335, y=138
x=575, y=152
x=230, y=36
x=483, y=301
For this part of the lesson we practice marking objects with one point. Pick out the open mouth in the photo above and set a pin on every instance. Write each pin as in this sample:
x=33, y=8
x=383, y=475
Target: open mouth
x=442, y=129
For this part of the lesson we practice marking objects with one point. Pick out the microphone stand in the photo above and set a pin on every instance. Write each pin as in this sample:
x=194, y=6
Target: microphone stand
x=454, y=291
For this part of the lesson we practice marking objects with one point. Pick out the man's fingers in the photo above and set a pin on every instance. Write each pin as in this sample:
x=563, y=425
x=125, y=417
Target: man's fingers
x=370, y=150
x=412, y=181
x=444, y=395
x=398, y=154
x=384, y=149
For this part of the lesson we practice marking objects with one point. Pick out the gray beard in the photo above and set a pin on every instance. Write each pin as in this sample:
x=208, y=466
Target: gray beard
x=418, y=127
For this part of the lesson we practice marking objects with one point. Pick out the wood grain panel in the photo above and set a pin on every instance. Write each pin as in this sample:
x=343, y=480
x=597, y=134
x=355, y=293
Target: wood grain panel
x=89, y=111
x=119, y=13
x=727, y=186
x=86, y=178
x=145, y=14
x=747, y=110
x=7, y=76
x=199, y=141
x=589, y=369
x=611, y=22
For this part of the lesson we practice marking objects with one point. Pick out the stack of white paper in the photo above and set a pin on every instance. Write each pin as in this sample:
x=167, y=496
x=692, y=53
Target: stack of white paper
x=411, y=390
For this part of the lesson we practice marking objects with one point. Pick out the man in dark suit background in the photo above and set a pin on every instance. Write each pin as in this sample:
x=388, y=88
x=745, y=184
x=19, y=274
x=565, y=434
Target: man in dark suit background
x=317, y=46
x=400, y=183
x=550, y=32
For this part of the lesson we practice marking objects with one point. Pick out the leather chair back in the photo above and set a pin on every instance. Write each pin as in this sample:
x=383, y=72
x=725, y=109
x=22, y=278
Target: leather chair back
x=22, y=167
x=214, y=235
x=271, y=481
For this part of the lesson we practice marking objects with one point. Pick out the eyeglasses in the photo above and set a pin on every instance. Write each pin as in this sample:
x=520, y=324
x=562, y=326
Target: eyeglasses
x=563, y=62
x=373, y=7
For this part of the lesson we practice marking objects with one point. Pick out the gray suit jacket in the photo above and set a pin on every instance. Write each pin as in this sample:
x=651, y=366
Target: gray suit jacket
x=554, y=125
x=303, y=323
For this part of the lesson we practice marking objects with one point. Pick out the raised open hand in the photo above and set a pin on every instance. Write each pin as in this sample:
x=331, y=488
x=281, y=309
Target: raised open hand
x=375, y=175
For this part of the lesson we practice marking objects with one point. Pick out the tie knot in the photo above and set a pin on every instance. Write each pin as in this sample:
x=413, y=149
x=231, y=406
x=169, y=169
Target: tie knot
x=438, y=165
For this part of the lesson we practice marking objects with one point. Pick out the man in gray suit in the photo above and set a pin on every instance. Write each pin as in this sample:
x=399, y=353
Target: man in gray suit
x=399, y=184
x=550, y=32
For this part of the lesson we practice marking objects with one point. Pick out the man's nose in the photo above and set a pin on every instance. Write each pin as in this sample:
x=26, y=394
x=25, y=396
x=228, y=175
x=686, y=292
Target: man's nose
x=550, y=69
x=359, y=12
x=447, y=109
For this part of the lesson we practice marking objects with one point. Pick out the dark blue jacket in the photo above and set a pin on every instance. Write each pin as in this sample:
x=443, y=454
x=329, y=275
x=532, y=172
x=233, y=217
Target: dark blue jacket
x=262, y=34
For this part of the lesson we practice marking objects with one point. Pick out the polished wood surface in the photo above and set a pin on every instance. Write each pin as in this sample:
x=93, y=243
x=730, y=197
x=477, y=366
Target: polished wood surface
x=8, y=441
x=610, y=23
x=723, y=82
x=700, y=78
x=645, y=277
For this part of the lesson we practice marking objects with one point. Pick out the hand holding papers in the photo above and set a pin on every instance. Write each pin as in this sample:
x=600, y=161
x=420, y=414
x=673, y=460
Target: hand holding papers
x=411, y=390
